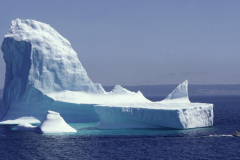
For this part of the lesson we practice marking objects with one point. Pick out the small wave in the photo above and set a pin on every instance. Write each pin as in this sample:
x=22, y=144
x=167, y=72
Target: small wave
x=220, y=135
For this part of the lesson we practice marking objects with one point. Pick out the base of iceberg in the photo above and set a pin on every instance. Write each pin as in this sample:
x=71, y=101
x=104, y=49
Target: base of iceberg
x=53, y=123
x=35, y=113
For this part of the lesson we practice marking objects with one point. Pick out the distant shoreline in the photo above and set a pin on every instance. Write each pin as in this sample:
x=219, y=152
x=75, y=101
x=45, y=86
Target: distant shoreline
x=194, y=90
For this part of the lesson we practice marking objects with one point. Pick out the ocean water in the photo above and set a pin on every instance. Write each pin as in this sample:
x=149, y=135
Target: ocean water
x=214, y=142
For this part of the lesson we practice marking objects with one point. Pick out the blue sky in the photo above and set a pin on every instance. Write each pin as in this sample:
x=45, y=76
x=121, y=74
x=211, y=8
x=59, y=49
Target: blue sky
x=138, y=42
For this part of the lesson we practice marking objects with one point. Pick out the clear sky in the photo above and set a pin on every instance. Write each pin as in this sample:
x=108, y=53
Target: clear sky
x=138, y=42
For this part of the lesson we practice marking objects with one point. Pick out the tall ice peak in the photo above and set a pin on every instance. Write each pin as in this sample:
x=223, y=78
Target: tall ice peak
x=37, y=55
x=180, y=93
x=29, y=30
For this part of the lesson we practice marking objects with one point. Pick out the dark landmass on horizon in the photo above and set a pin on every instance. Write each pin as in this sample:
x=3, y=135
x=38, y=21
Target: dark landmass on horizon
x=193, y=89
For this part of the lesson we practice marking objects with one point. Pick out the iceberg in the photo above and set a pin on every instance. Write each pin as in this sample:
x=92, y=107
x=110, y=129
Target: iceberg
x=44, y=73
x=175, y=111
x=39, y=61
x=53, y=123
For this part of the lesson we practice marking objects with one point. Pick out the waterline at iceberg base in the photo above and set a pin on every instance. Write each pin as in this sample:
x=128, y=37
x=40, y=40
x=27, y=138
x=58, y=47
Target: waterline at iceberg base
x=44, y=73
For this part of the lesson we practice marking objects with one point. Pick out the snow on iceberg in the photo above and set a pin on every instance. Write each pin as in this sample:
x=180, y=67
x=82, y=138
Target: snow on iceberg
x=43, y=73
x=53, y=123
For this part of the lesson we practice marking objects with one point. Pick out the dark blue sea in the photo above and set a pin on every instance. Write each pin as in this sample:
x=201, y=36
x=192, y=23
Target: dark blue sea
x=214, y=142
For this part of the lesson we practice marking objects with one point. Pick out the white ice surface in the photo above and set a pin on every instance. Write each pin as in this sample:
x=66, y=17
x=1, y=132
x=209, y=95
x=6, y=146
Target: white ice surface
x=178, y=95
x=96, y=98
x=43, y=73
x=53, y=123
x=21, y=120
x=54, y=64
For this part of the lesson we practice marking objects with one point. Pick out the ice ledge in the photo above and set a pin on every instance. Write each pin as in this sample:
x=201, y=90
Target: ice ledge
x=21, y=120
x=157, y=116
x=175, y=111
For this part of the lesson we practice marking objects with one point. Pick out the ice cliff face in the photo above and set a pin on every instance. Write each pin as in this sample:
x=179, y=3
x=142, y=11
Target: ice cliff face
x=37, y=59
x=39, y=56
